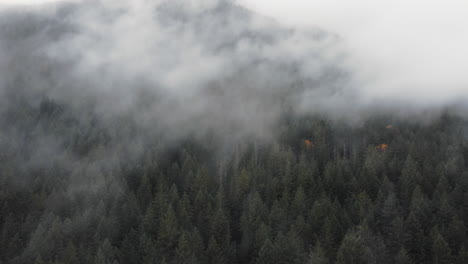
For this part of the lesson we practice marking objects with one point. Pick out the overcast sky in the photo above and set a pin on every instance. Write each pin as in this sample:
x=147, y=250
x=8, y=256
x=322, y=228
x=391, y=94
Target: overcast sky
x=414, y=50
x=26, y=2
x=405, y=50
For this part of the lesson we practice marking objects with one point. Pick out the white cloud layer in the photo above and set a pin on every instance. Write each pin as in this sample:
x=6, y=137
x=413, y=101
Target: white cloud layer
x=411, y=51
x=29, y=2
x=209, y=65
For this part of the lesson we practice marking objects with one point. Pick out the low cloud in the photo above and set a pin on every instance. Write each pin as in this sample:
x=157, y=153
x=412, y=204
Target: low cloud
x=399, y=52
x=177, y=68
x=183, y=67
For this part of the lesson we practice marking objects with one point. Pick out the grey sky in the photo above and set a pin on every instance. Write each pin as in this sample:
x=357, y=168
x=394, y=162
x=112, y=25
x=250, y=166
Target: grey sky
x=410, y=51
x=29, y=2
x=217, y=65
x=414, y=51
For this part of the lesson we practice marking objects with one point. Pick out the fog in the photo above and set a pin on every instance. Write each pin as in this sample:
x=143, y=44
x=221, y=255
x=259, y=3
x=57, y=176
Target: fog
x=412, y=52
x=89, y=90
x=183, y=68
x=235, y=68
x=397, y=52
x=23, y=3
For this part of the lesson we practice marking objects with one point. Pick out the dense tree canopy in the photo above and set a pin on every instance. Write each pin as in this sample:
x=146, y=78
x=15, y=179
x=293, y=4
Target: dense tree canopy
x=322, y=192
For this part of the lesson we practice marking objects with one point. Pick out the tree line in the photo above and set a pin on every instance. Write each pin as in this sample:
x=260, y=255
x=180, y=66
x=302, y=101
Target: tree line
x=322, y=192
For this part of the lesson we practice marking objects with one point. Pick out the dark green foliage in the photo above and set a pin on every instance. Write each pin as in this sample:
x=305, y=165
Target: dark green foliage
x=402, y=257
x=441, y=252
x=184, y=251
x=340, y=200
x=317, y=255
x=266, y=253
x=106, y=254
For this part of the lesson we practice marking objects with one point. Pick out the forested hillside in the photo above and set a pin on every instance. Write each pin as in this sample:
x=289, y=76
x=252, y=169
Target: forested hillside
x=193, y=132
x=384, y=191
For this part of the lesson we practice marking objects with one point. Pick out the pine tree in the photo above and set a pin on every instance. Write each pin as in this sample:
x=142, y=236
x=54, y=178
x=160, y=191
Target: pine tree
x=39, y=260
x=288, y=248
x=441, y=252
x=196, y=243
x=410, y=177
x=353, y=249
x=148, y=249
x=262, y=234
x=219, y=225
x=278, y=217
x=414, y=238
x=396, y=235
x=168, y=234
x=402, y=257
x=145, y=192
x=184, y=253
x=299, y=203
x=69, y=255
x=456, y=232
x=419, y=204
x=131, y=253
x=462, y=257
x=266, y=254
x=184, y=213
x=214, y=252
x=317, y=255
x=105, y=253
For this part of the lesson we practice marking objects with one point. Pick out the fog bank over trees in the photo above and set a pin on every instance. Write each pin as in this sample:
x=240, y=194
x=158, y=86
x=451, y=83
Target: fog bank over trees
x=202, y=132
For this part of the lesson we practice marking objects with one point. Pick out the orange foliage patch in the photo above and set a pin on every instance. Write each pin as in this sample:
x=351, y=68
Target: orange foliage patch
x=394, y=129
x=382, y=147
x=308, y=144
